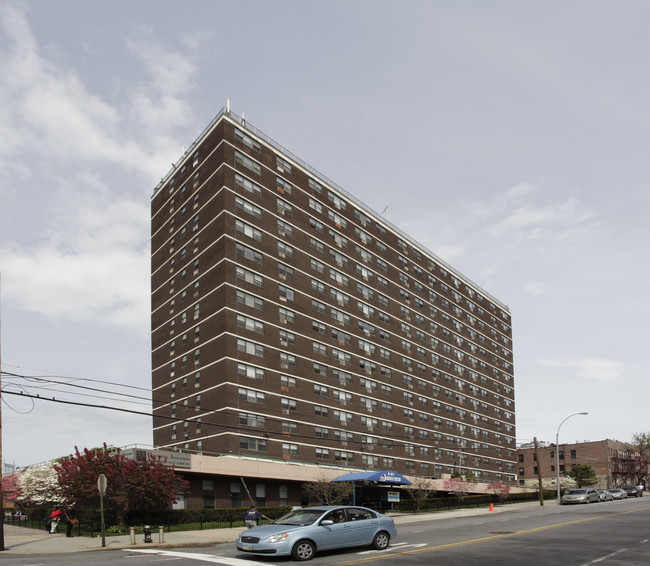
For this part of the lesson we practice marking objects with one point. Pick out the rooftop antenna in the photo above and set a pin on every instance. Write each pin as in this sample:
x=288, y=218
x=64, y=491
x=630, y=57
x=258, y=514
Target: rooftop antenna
x=228, y=105
x=383, y=212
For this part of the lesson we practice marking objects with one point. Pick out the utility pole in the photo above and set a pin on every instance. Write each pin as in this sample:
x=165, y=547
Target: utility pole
x=539, y=475
x=2, y=507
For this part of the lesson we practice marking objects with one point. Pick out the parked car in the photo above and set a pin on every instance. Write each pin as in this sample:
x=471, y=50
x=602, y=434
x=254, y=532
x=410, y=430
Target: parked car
x=618, y=493
x=633, y=491
x=582, y=495
x=605, y=495
x=302, y=533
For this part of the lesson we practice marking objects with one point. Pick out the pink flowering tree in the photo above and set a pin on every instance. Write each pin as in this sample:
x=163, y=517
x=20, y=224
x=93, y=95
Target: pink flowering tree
x=131, y=484
x=500, y=489
x=12, y=491
x=457, y=486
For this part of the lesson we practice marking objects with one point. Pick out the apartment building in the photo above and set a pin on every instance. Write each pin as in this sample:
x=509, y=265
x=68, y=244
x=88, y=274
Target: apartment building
x=615, y=463
x=291, y=323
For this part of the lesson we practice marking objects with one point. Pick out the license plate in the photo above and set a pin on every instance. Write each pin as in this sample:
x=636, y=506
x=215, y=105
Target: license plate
x=248, y=547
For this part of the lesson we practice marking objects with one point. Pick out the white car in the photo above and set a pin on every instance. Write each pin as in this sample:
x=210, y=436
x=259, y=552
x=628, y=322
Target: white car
x=605, y=495
x=618, y=493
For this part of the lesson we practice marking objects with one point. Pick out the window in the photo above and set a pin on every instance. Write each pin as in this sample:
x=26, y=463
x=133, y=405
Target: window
x=247, y=185
x=285, y=229
x=249, y=277
x=257, y=444
x=337, y=201
x=247, y=162
x=250, y=348
x=248, y=230
x=283, y=186
x=286, y=315
x=288, y=404
x=284, y=271
x=247, y=140
x=284, y=207
x=289, y=450
x=250, y=324
x=248, y=207
x=249, y=300
x=208, y=494
x=282, y=165
x=250, y=420
x=320, y=411
x=287, y=360
x=250, y=395
x=250, y=254
x=285, y=250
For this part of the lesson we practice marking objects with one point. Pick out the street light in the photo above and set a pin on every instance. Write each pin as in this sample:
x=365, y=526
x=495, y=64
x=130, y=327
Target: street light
x=557, y=452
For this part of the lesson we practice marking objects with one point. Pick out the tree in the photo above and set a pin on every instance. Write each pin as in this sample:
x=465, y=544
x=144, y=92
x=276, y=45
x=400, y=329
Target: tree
x=12, y=491
x=327, y=491
x=419, y=490
x=40, y=484
x=131, y=485
x=583, y=474
x=550, y=484
x=458, y=487
x=641, y=442
x=501, y=490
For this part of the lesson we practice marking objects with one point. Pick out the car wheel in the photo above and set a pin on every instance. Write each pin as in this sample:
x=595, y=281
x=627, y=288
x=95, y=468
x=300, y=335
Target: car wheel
x=303, y=550
x=381, y=541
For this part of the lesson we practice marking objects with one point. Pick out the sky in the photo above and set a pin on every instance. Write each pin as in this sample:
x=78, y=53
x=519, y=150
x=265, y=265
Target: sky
x=510, y=138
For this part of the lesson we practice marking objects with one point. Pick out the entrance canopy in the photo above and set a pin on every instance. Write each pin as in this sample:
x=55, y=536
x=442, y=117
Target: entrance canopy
x=388, y=477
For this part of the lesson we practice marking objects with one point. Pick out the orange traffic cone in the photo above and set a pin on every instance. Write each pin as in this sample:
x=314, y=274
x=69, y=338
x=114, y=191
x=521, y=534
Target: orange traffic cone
x=491, y=507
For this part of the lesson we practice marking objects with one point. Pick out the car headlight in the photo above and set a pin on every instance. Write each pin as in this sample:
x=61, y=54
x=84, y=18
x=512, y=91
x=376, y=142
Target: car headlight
x=277, y=538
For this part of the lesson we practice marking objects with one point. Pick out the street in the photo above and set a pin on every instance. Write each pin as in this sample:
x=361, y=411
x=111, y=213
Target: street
x=607, y=534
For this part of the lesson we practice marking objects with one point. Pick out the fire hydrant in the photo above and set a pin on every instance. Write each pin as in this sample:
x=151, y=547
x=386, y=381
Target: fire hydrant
x=147, y=533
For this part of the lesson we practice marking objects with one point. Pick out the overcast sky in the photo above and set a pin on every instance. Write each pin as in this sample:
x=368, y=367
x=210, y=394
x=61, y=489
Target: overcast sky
x=510, y=138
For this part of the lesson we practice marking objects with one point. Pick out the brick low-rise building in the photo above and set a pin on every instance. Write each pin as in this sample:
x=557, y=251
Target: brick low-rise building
x=614, y=462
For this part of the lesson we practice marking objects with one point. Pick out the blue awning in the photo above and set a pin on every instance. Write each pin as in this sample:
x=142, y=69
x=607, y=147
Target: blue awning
x=393, y=478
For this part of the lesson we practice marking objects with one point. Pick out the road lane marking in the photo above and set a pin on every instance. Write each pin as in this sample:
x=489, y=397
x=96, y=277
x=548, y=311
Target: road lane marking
x=485, y=539
x=595, y=561
x=214, y=558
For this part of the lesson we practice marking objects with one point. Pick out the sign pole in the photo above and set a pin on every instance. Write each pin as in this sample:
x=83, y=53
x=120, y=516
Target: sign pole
x=101, y=486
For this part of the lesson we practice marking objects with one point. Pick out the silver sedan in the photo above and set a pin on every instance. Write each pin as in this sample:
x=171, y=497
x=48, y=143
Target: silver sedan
x=303, y=532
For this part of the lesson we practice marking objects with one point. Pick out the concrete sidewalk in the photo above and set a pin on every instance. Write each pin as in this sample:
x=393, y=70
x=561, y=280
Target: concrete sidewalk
x=23, y=540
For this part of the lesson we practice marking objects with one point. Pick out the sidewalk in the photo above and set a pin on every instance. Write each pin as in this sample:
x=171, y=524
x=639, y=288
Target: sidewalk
x=26, y=541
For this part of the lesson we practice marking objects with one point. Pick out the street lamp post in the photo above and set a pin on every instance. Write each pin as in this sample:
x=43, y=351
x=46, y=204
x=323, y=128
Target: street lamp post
x=557, y=453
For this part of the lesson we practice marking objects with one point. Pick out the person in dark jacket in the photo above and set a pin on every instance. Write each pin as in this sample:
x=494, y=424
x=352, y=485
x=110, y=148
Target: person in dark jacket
x=68, y=516
x=251, y=516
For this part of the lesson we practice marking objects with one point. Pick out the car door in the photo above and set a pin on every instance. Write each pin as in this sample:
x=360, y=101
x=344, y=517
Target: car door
x=337, y=535
x=364, y=523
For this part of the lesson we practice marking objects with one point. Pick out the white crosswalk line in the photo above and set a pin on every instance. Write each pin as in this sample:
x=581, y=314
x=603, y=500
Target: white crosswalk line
x=213, y=558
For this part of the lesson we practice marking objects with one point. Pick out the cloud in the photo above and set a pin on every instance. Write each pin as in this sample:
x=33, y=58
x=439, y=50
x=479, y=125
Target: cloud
x=78, y=157
x=594, y=369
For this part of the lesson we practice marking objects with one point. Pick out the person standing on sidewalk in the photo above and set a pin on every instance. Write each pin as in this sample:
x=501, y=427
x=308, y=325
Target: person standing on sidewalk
x=70, y=518
x=251, y=516
x=54, y=519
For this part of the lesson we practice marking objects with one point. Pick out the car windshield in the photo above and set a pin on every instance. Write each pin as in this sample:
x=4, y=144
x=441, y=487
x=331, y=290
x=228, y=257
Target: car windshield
x=577, y=491
x=299, y=517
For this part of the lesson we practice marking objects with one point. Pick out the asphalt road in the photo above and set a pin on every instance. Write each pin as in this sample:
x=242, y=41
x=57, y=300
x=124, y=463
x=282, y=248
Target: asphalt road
x=605, y=534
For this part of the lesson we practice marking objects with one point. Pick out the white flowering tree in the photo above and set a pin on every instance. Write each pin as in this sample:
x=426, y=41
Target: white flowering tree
x=550, y=483
x=40, y=484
